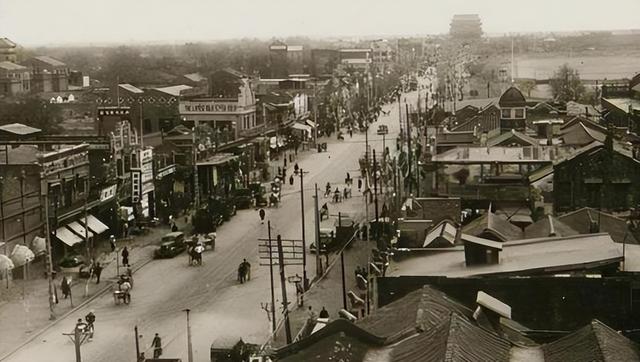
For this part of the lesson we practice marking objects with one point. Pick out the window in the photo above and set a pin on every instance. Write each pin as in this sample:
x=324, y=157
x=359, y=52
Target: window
x=519, y=113
x=506, y=113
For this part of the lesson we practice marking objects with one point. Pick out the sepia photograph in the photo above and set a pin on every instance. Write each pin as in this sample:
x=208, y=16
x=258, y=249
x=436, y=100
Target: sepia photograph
x=330, y=181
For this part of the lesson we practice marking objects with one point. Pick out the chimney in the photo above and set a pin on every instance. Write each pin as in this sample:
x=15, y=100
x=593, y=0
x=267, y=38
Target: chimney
x=489, y=311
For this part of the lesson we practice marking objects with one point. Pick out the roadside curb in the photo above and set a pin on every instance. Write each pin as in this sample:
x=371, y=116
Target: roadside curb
x=98, y=294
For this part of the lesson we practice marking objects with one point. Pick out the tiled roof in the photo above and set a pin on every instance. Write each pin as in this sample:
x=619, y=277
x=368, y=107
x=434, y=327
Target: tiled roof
x=580, y=221
x=195, y=77
x=11, y=66
x=130, y=88
x=496, y=225
x=547, y=226
x=174, y=90
x=339, y=340
x=515, y=135
x=421, y=309
x=594, y=342
x=51, y=61
x=441, y=235
x=453, y=339
x=6, y=43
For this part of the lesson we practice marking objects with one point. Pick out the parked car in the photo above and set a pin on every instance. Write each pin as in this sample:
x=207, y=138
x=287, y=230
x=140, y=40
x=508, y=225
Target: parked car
x=259, y=193
x=327, y=241
x=172, y=244
x=220, y=206
x=243, y=198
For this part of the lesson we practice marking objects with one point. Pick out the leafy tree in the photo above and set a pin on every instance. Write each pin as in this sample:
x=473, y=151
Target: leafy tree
x=566, y=85
x=527, y=85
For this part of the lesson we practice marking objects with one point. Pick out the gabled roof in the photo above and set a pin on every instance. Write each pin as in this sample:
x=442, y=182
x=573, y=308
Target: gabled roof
x=50, y=60
x=580, y=134
x=513, y=136
x=420, y=310
x=580, y=220
x=548, y=226
x=174, y=90
x=587, y=122
x=322, y=344
x=470, y=239
x=11, y=66
x=6, y=43
x=594, y=342
x=512, y=97
x=496, y=225
x=195, y=77
x=441, y=235
x=130, y=88
x=453, y=339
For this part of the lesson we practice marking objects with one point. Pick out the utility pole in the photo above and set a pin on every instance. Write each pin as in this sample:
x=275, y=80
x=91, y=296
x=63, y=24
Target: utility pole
x=4, y=233
x=196, y=187
x=189, y=347
x=375, y=193
x=44, y=192
x=317, y=227
x=135, y=330
x=285, y=304
x=305, y=280
x=408, y=146
x=344, y=286
x=273, y=299
x=315, y=112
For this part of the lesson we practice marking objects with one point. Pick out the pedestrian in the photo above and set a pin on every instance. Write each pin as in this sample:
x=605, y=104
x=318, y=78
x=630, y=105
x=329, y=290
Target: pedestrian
x=359, y=184
x=125, y=256
x=291, y=180
x=324, y=313
x=157, y=346
x=348, y=178
x=112, y=242
x=90, y=318
x=313, y=317
x=350, y=132
x=97, y=270
x=262, y=214
x=296, y=168
x=65, y=287
x=290, y=158
x=247, y=269
x=241, y=272
x=125, y=230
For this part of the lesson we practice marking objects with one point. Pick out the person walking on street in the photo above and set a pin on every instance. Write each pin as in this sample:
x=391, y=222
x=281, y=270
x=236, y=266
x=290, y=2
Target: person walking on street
x=125, y=256
x=97, y=270
x=90, y=318
x=65, y=287
x=125, y=230
x=247, y=269
x=157, y=346
x=112, y=242
x=324, y=313
x=262, y=214
x=241, y=273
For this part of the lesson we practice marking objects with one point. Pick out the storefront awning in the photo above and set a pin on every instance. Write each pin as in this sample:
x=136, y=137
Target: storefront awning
x=311, y=123
x=67, y=236
x=302, y=127
x=95, y=225
x=79, y=230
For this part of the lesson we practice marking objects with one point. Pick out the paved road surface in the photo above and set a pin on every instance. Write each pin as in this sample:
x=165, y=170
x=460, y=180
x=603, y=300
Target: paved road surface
x=220, y=306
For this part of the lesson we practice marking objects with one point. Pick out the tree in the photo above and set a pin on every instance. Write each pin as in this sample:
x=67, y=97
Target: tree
x=527, y=85
x=566, y=85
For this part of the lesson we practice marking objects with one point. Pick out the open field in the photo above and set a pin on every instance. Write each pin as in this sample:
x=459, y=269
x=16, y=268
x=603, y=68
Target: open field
x=590, y=67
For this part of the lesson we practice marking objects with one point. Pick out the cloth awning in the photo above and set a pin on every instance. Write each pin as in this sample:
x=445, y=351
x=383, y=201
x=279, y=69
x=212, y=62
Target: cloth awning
x=39, y=245
x=311, y=123
x=95, y=225
x=5, y=263
x=22, y=255
x=302, y=127
x=67, y=236
x=79, y=230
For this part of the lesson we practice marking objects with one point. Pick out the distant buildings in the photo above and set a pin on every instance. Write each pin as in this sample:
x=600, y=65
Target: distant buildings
x=465, y=27
x=48, y=74
x=7, y=50
x=356, y=58
x=285, y=59
x=15, y=79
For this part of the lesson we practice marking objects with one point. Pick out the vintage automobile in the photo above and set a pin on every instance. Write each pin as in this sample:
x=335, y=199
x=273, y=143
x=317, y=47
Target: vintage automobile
x=259, y=193
x=172, y=244
x=243, y=198
x=327, y=241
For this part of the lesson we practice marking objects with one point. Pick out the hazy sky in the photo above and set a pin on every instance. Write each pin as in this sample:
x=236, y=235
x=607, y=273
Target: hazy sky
x=53, y=22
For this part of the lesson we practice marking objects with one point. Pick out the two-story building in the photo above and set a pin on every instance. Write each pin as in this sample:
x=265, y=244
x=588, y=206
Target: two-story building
x=48, y=74
x=229, y=109
x=14, y=79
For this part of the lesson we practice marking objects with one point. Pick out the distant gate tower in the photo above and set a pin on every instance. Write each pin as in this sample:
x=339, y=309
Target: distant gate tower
x=466, y=27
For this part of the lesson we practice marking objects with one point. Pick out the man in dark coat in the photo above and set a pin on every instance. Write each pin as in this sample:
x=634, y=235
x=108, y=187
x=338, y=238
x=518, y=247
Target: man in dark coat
x=157, y=346
x=125, y=256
